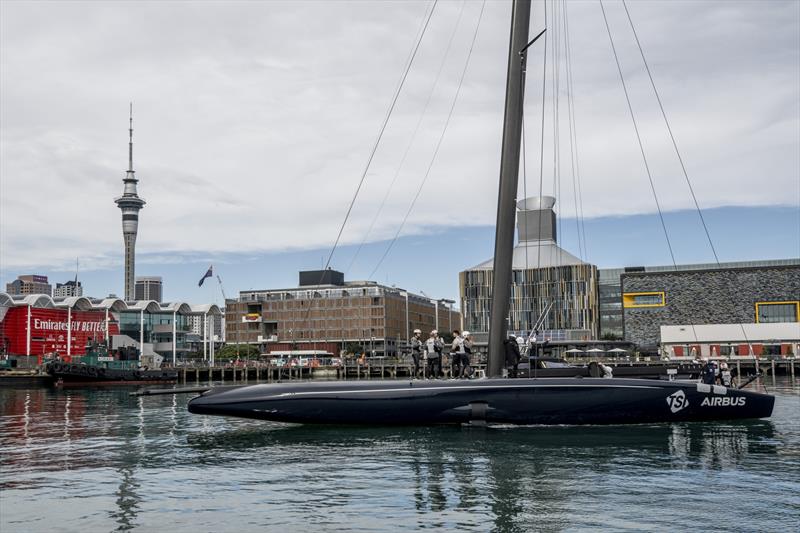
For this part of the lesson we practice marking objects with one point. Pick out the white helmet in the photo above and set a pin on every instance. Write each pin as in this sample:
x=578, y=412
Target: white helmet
x=434, y=332
x=465, y=334
x=520, y=340
x=417, y=331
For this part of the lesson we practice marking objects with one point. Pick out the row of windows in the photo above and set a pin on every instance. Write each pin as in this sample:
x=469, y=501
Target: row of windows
x=766, y=312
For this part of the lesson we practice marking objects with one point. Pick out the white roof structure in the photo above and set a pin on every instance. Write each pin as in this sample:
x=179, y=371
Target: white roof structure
x=182, y=308
x=148, y=306
x=203, y=309
x=537, y=246
x=112, y=304
x=536, y=254
x=82, y=303
x=779, y=332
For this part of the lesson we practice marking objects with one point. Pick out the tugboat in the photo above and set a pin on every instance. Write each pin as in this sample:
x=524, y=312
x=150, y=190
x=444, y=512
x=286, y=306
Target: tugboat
x=101, y=367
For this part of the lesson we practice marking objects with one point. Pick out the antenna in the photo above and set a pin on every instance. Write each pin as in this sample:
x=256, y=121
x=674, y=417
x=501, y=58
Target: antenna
x=130, y=140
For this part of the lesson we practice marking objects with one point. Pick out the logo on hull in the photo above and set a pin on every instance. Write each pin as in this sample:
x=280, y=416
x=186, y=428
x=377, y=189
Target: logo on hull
x=725, y=401
x=677, y=401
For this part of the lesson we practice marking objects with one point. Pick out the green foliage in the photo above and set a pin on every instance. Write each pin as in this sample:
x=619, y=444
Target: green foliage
x=243, y=351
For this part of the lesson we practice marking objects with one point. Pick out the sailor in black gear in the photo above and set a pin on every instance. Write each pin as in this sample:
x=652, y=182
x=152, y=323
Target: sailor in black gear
x=512, y=355
x=416, y=350
x=433, y=352
x=466, y=369
x=709, y=372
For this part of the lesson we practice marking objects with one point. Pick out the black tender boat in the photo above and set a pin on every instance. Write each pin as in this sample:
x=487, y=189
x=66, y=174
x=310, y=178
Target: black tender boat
x=87, y=374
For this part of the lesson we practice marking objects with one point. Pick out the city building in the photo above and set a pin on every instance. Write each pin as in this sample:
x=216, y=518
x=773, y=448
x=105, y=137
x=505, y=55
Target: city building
x=552, y=291
x=70, y=288
x=149, y=288
x=215, y=325
x=29, y=284
x=611, y=287
x=327, y=313
x=36, y=325
x=130, y=204
x=751, y=294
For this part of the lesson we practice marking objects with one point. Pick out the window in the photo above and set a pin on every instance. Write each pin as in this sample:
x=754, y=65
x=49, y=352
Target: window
x=643, y=299
x=770, y=312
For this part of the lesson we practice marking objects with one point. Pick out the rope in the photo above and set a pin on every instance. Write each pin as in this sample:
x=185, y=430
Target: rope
x=438, y=145
x=680, y=160
x=380, y=136
x=374, y=149
x=411, y=141
x=638, y=137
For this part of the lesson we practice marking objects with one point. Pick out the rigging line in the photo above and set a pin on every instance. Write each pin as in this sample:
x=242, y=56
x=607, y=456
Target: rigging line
x=541, y=146
x=413, y=138
x=524, y=159
x=641, y=148
x=380, y=135
x=438, y=144
x=677, y=152
x=541, y=167
x=571, y=144
x=574, y=126
x=671, y=136
x=375, y=147
x=555, y=120
x=638, y=136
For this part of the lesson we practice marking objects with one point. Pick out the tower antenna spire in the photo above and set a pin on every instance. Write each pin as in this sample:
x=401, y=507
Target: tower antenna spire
x=130, y=140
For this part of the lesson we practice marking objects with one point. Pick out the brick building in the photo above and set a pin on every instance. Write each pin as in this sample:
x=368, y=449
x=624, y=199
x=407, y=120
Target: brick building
x=334, y=315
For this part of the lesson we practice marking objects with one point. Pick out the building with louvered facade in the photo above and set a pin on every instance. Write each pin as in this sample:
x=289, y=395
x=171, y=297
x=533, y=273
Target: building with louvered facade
x=553, y=292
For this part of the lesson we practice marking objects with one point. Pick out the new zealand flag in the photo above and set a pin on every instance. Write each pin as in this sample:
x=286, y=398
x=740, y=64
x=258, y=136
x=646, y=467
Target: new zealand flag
x=208, y=274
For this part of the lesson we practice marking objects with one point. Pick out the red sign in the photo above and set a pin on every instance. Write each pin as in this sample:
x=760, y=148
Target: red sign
x=50, y=329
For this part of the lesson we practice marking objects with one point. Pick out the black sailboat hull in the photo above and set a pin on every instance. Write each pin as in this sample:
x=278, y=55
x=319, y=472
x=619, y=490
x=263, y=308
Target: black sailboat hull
x=498, y=401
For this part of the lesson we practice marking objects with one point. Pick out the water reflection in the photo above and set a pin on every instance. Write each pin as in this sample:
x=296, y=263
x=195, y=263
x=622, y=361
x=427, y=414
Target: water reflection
x=127, y=499
x=520, y=472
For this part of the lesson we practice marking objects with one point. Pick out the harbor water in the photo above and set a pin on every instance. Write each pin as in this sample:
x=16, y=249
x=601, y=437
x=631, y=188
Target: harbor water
x=101, y=460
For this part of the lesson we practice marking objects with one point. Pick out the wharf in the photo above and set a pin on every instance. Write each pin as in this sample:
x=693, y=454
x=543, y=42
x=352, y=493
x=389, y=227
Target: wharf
x=398, y=369
x=383, y=369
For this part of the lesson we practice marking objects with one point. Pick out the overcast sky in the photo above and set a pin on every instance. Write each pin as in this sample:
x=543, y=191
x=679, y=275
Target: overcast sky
x=253, y=120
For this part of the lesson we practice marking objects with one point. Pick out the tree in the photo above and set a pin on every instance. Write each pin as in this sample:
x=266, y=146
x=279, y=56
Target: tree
x=243, y=351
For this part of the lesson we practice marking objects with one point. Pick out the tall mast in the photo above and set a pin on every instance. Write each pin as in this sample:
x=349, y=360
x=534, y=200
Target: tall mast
x=509, y=173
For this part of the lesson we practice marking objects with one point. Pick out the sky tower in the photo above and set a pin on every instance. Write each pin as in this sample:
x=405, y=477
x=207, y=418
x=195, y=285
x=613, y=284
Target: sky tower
x=130, y=204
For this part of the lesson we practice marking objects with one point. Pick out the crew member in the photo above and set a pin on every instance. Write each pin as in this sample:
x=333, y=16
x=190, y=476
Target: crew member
x=456, y=349
x=416, y=350
x=466, y=369
x=433, y=352
x=512, y=355
x=725, y=376
x=709, y=372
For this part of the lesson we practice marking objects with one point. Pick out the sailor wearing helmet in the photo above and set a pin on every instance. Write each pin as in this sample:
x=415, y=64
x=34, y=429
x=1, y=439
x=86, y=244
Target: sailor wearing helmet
x=466, y=369
x=512, y=355
x=433, y=351
x=416, y=350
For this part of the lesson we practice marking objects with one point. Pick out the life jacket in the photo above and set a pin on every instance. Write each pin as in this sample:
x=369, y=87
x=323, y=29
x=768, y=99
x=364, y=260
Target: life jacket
x=430, y=346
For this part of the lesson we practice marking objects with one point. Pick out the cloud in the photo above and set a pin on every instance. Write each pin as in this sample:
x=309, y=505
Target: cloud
x=253, y=120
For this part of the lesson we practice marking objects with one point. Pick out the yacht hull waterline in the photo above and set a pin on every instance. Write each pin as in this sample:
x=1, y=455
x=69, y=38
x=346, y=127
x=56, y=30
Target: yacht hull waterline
x=546, y=401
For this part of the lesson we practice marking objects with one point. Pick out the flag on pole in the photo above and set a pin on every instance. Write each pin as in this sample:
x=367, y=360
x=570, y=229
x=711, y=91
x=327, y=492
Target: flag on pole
x=208, y=274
